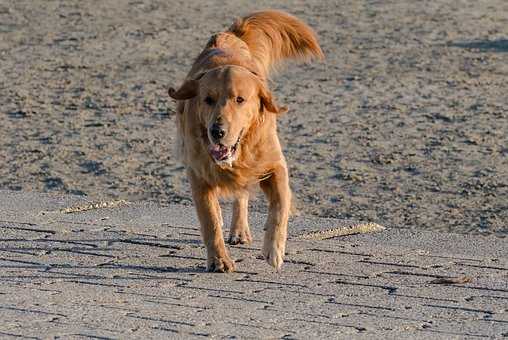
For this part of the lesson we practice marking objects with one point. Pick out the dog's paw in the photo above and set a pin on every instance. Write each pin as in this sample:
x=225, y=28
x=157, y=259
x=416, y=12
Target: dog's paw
x=273, y=252
x=222, y=264
x=240, y=236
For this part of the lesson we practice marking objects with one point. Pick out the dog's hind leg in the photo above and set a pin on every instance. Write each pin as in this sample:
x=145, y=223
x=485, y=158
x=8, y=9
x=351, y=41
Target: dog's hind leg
x=276, y=189
x=210, y=218
x=240, y=232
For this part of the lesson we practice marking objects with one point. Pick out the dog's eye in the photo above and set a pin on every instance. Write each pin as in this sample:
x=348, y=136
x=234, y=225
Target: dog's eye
x=240, y=100
x=209, y=100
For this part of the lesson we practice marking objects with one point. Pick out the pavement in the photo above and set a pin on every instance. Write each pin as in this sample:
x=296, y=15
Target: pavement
x=72, y=267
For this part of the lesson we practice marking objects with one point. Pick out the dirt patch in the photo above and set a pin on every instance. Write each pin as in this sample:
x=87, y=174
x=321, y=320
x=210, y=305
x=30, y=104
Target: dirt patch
x=405, y=123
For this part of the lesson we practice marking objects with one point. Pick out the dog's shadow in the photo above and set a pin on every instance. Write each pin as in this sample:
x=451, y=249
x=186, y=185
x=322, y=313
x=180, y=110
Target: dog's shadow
x=56, y=258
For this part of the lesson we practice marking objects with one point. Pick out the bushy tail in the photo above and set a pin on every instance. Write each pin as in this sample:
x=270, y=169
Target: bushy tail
x=274, y=36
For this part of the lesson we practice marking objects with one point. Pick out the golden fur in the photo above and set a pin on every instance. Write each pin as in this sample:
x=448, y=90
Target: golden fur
x=227, y=88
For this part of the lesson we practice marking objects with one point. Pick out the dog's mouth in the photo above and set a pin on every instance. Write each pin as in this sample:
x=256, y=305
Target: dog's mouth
x=223, y=154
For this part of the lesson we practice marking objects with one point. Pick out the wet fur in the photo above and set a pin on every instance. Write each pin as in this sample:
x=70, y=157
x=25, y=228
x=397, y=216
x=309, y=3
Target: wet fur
x=246, y=53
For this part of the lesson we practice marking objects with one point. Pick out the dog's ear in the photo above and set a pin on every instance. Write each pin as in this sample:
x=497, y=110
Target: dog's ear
x=188, y=90
x=268, y=102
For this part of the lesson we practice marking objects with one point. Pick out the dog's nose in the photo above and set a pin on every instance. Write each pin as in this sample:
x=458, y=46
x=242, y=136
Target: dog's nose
x=217, y=132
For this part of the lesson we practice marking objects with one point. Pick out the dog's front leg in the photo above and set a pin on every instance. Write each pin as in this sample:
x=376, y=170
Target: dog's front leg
x=276, y=188
x=240, y=232
x=210, y=218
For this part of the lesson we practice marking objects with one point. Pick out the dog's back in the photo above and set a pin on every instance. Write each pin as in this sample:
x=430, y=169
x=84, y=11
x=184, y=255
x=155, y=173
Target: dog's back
x=260, y=42
x=274, y=36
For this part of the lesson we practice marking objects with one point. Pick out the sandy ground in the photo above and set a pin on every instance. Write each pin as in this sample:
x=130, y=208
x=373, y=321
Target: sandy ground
x=405, y=123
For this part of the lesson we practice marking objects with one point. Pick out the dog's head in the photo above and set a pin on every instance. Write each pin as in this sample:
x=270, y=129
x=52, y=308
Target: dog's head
x=230, y=99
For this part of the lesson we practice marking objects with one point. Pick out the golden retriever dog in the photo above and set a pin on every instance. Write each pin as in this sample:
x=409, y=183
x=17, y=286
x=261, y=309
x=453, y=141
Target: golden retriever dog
x=227, y=129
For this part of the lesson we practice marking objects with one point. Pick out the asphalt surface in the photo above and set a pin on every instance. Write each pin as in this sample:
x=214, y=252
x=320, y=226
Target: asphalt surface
x=72, y=268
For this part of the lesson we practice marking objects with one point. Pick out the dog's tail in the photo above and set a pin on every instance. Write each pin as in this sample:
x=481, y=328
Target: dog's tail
x=274, y=36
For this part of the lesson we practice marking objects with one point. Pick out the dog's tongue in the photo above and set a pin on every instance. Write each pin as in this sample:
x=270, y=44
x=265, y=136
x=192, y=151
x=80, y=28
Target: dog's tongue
x=219, y=152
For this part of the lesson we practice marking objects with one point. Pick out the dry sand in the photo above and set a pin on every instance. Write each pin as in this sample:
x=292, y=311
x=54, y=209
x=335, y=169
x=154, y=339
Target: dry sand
x=405, y=124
